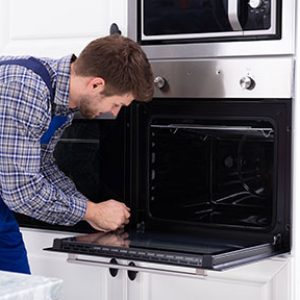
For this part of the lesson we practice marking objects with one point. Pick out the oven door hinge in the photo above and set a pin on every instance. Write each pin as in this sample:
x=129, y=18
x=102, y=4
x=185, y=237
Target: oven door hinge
x=277, y=240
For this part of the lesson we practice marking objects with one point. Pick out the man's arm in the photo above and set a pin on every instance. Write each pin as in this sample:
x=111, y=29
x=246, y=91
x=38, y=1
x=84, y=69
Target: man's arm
x=23, y=118
x=55, y=176
x=104, y=216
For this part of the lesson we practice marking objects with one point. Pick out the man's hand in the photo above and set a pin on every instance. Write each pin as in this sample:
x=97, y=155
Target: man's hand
x=108, y=215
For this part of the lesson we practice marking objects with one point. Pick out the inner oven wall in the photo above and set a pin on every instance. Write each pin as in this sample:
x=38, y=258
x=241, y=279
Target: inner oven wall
x=157, y=198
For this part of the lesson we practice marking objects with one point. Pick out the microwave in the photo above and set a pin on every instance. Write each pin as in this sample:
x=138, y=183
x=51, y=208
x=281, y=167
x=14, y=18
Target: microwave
x=182, y=21
x=178, y=29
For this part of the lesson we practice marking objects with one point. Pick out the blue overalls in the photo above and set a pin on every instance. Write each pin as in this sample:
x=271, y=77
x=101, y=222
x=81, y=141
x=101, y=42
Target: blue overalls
x=13, y=255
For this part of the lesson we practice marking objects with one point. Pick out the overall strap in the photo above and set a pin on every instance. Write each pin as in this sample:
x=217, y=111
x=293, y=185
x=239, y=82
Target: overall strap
x=56, y=122
x=36, y=66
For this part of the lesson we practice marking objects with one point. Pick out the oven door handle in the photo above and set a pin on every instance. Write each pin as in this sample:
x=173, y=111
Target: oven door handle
x=233, y=15
x=195, y=272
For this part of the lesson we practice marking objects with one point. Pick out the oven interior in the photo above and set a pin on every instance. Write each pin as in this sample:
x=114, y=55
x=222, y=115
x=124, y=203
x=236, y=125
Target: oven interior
x=213, y=168
x=217, y=174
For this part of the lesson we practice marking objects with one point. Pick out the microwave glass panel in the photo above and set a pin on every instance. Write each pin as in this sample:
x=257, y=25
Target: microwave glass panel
x=172, y=17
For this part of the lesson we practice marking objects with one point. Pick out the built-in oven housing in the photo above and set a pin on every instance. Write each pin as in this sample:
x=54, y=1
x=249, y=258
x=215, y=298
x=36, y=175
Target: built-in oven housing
x=206, y=166
x=214, y=168
x=207, y=181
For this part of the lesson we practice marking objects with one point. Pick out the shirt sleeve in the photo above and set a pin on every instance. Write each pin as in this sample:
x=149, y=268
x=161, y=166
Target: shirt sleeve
x=58, y=178
x=24, y=187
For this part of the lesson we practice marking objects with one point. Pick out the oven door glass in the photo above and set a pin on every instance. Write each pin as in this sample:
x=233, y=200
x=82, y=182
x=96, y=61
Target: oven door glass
x=167, y=20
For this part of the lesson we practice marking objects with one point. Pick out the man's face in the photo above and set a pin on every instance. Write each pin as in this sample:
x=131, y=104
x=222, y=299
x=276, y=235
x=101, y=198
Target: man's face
x=92, y=106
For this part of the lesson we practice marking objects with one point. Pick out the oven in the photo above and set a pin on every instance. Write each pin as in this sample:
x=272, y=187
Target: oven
x=207, y=163
x=208, y=178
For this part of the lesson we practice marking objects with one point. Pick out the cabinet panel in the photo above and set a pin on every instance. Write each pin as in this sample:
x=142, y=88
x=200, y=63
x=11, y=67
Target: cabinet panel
x=56, y=28
x=79, y=281
x=265, y=280
x=117, y=286
x=57, y=19
x=170, y=288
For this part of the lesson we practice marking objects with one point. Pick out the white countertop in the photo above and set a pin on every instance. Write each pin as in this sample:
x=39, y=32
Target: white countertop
x=15, y=286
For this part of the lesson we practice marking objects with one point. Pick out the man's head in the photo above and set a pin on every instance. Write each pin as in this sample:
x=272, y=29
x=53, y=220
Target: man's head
x=110, y=73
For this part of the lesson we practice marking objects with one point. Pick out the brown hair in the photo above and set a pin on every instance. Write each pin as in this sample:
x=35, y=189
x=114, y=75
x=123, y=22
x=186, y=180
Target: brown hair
x=121, y=63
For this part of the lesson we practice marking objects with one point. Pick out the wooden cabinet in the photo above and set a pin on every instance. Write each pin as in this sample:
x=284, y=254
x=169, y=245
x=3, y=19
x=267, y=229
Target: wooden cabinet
x=88, y=278
x=56, y=28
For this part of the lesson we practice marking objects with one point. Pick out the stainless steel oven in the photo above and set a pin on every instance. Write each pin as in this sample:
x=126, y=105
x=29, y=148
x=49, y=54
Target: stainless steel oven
x=208, y=178
x=207, y=163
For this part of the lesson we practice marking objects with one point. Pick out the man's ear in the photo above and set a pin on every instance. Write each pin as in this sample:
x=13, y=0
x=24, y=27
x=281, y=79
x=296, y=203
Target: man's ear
x=97, y=83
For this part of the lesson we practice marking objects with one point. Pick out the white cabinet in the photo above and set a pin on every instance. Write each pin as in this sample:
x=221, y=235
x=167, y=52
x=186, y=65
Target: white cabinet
x=89, y=279
x=266, y=280
x=79, y=281
x=56, y=28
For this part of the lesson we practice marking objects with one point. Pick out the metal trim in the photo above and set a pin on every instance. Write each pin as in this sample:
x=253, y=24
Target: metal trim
x=73, y=258
x=233, y=15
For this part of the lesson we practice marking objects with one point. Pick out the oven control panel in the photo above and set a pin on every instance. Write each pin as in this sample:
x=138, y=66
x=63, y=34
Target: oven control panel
x=224, y=78
x=247, y=83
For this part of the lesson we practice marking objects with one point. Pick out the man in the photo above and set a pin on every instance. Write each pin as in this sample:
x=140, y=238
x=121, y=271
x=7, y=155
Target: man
x=38, y=101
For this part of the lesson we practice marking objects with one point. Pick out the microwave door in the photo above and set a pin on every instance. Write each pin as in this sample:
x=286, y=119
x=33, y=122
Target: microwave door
x=166, y=248
x=233, y=14
x=179, y=21
x=189, y=19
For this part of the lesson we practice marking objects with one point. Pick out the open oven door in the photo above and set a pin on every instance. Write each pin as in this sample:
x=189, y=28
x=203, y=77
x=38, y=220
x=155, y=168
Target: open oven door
x=167, y=248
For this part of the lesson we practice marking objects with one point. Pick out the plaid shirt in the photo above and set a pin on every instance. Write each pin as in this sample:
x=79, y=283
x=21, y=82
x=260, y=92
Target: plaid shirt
x=30, y=181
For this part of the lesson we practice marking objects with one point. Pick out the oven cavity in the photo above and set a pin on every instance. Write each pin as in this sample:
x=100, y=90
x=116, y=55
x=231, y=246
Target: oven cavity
x=212, y=173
